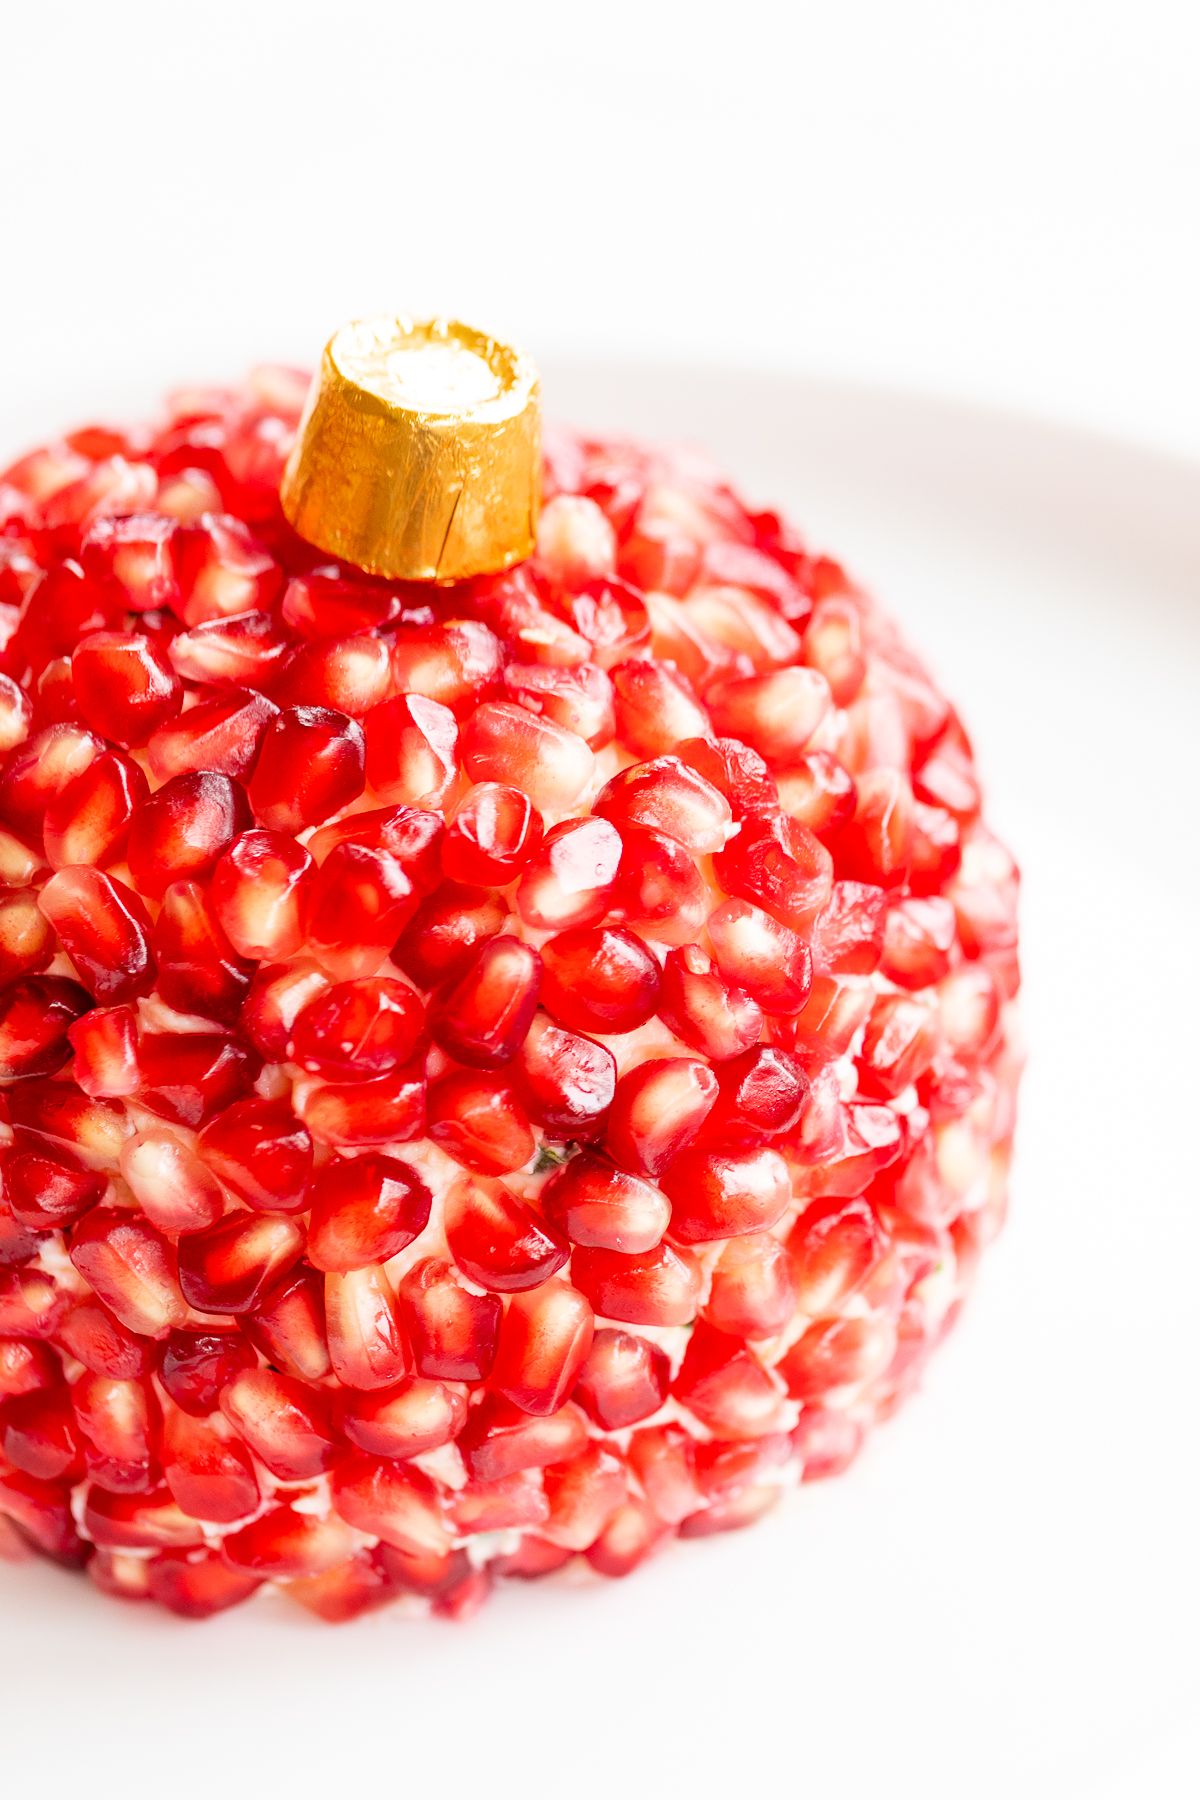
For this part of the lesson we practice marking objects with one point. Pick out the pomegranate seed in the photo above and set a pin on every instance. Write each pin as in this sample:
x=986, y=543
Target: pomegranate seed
x=762, y=955
x=407, y=1420
x=477, y=1119
x=656, y=1287
x=31, y=1304
x=350, y=674
x=88, y=820
x=105, y=1346
x=36, y=1015
x=38, y=770
x=400, y=1506
x=197, y=1366
x=260, y=892
x=838, y=1353
x=826, y=1442
x=565, y=1082
x=659, y=890
x=507, y=744
x=848, y=935
x=365, y=1210
x=656, y=706
x=222, y=570
x=186, y=1078
x=182, y=831
x=502, y=1440
x=361, y=898
x=199, y=972
x=388, y=1110
x=599, y=979
x=762, y=1094
x=454, y=1331
x=196, y=1583
x=366, y=1346
x=118, y=1425
x=104, y=929
x=544, y=1340
x=125, y=685
x=631, y=1535
x=412, y=750
x=624, y=1379
x=571, y=879
x=16, y=714
x=483, y=1017
x=722, y=1383
x=359, y=1028
x=752, y=1293
x=579, y=699
x=286, y=1423
x=611, y=619
x=220, y=735
x=48, y=1193
x=130, y=1267
x=664, y=1459
x=736, y=771
x=776, y=713
x=261, y=1152
x=595, y=1204
x=718, y=1194
x=310, y=765
x=496, y=1240
x=658, y=1109
x=834, y=1246
x=231, y=1265
x=494, y=832
x=284, y=1544
x=668, y=796
x=444, y=930
x=454, y=664
x=244, y=650
x=781, y=866
x=26, y=940
x=89, y=1128
x=709, y=1013
x=39, y=1435
x=288, y=1325
x=42, y=1510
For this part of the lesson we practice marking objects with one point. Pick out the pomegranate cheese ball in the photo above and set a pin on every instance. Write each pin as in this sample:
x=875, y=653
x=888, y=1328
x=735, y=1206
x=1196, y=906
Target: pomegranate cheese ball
x=495, y=1075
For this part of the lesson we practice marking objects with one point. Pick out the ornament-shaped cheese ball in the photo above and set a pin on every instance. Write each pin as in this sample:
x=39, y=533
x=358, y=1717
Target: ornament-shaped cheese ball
x=498, y=1071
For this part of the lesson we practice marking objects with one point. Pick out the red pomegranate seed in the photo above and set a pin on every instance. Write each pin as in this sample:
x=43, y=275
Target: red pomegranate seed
x=42, y=1510
x=196, y=1583
x=288, y=1325
x=105, y=1346
x=56, y=612
x=130, y=1267
x=88, y=820
x=244, y=650
x=606, y=1208
x=366, y=1345
x=834, y=1245
x=310, y=765
x=658, y=1109
x=199, y=972
x=876, y=844
x=656, y=706
x=818, y=792
x=91, y=1129
x=482, y=1018
x=565, y=1082
x=571, y=878
x=722, y=1383
x=364, y=1210
x=26, y=1367
x=664, y=1459
x=848, y=935
x=361, y=899
x=261, y=1152
x=631, y=1535
x=287, y=1424
x=35, y=1016
x=220, y=735
x=48, y=1193
x=736, y=771
x=412, y=750
x=360, y=1028
x=544, y=1339
x=497, y=1240
x=583, y=1495
x=171, y=1185
x=599, y=979
x=285, y=1544
x=31, y=1303
x=659, y=891
x=38, y=770
x=222, y=570
x=26, y=940
x=40, y=1437
x=455, y=664
x=624, y=1379
x=407, y=1420
x=187, y=1077
x=765, y=957
x=611, y=618
x=826, y=1442
x=145, y=1521
x=709, y=1013
x=776, y=713
x=118, y=1424
x=898, y=1046
x=781, y=866
x=104, y=929
x=507, y=744
x=405, y=833
x=656, y=1287
x=453, y=1331
x=16, y=714
x=444, y=930
x=260, y=892
x=762, y=1094
x=357, y=1114
x=105, y=1046
x=476, y=1117
x=182, y=831
x=230, y=1266
x=501, y=1439
x=198, y=1365
x=752, y=1293
x=837, y=1353
x=579, y=699
x=400, y=1506
x=124, y=685
x=668, y=796
x=717, y=1194
x=494, y=832
x=19, y=1244
x=350, y=674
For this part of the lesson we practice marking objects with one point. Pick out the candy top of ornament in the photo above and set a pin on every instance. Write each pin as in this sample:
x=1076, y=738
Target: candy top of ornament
x=419, y=453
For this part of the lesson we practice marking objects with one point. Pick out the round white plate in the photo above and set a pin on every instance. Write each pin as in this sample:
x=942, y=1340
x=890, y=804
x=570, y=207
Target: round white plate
x=1002, y=1594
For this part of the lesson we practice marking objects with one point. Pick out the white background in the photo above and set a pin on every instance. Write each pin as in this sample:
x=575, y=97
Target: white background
x=996, y=202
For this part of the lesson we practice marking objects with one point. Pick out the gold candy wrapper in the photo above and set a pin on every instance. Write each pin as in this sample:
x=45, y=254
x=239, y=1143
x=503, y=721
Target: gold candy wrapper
x=418, y=456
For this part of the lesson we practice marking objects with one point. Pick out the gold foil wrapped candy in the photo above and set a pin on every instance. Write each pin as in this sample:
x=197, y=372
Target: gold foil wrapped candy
x=419, y=454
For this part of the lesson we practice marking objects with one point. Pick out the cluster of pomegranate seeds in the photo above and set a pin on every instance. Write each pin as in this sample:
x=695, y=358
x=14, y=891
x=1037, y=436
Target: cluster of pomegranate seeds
x=492, y=1075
